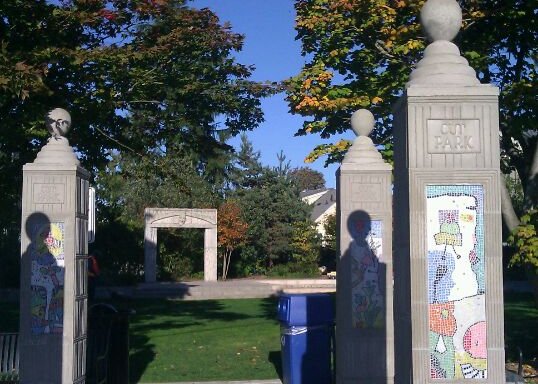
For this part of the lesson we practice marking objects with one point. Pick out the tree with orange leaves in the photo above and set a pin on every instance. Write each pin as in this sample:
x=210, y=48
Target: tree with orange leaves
x=359, y=54
x=231, y=230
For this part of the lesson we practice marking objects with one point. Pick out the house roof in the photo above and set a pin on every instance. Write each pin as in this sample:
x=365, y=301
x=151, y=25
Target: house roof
x=310, y=192
x=326, y=200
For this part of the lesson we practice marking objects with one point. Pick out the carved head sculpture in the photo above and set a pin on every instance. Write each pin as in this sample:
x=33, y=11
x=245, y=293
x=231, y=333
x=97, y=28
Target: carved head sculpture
x=58, y=122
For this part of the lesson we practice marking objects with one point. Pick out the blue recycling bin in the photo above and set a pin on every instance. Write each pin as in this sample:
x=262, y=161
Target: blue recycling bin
x=306, y=335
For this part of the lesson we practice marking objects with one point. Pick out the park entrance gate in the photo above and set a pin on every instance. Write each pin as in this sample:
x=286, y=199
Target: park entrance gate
x=180, y=218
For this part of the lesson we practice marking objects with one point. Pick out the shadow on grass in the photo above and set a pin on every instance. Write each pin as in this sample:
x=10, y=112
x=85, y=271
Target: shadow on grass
x=161, y=315
x=275, y=358
x=141, y=354
x=269, y=307
x=520, y=319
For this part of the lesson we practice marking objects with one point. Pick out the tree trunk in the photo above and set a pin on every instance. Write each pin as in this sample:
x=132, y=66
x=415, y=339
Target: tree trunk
x=229, y=257
x=224, y=266
x=512, y=221
x=509, y=214
x=531, y=191
x=226, y=263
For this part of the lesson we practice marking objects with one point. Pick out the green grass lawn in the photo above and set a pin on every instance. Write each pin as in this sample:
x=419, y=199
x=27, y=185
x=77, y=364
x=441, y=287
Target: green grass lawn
x=239, y=339
x=204, y=340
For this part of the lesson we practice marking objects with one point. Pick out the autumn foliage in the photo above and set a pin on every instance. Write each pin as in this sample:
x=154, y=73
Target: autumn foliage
x=232, y=231
x=359, y=54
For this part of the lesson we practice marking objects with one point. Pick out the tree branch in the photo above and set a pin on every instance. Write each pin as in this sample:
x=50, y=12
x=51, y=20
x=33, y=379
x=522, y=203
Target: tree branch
x=507, y=209
x=117, y=142
x=531, y=189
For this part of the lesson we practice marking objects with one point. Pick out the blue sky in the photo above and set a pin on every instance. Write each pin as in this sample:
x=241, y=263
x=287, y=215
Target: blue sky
x=270, y=45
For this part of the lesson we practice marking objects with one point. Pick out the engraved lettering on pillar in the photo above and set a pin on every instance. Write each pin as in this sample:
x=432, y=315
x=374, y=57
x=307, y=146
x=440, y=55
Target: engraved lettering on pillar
x=49, y=193
x=453, y=136
x=365, y=192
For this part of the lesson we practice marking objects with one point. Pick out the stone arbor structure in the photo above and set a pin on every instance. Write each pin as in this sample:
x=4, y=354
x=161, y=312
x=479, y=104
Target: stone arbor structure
x=364, y=332
x=180, y=218
x=448, y=255
x=53, y=295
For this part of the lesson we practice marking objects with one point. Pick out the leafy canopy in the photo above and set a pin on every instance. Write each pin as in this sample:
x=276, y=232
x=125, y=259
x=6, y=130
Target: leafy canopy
x=359, y=54
x=153, y=89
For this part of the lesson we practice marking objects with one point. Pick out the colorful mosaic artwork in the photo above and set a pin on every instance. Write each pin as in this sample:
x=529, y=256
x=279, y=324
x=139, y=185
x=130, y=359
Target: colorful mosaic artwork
x=47, y=255
x=456, y=281
x=367, y=299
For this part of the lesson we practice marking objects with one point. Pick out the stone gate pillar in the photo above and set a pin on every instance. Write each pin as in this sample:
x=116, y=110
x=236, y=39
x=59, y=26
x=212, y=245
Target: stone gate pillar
x=364, y=321
x=210, y=254
x=448, y=255
x=53, y=295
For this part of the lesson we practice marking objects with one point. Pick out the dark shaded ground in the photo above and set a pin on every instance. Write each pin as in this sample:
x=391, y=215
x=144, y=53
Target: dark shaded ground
x=521, y=318
x=520, y=335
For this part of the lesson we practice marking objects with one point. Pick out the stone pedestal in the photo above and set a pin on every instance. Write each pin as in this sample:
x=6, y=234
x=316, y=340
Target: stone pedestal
x=364, y=321
x=53, y=295
x=448, y=256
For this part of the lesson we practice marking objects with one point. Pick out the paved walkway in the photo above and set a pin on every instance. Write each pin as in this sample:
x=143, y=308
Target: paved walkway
x=229, y=289
x=236, y=288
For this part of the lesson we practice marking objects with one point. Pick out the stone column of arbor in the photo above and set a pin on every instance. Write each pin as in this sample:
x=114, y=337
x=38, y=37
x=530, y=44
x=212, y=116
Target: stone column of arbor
x=364, y=331
x=53, y=295
x=447, y=227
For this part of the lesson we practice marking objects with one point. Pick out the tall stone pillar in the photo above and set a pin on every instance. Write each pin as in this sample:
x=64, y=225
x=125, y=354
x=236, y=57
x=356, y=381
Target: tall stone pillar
x=53, y=295
x=448, y=260
x=364, y=320
x=210, y=254
x=150, y=254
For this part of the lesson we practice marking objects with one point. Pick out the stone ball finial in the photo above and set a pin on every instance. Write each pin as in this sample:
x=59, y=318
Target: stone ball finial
x=58, y=122
x=362, y=122
x=441, y=19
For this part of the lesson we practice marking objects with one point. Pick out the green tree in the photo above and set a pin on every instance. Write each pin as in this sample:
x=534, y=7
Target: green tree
x=245, y=168
x=328, y=249
x=307, y=178
x=142, y=79
x=270, y=207
x=360, y=54
x=305, y=245
x=130, y=184
x=127, y=186
x=329, y=239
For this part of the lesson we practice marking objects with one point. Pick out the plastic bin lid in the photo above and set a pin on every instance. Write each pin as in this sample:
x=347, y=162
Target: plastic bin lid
x=306, y=309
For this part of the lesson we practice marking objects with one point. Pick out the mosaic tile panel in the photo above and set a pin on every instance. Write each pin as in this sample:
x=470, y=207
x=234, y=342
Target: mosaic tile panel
x=47, y=278
x=456, y=281
x=366, y=252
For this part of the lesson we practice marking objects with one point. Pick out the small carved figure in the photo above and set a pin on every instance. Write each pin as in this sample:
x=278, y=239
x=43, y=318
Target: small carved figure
x=58, y=122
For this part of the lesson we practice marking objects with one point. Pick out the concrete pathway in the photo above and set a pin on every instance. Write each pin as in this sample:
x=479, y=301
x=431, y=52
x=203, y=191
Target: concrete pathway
x=237, y=288
x=229, y=289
